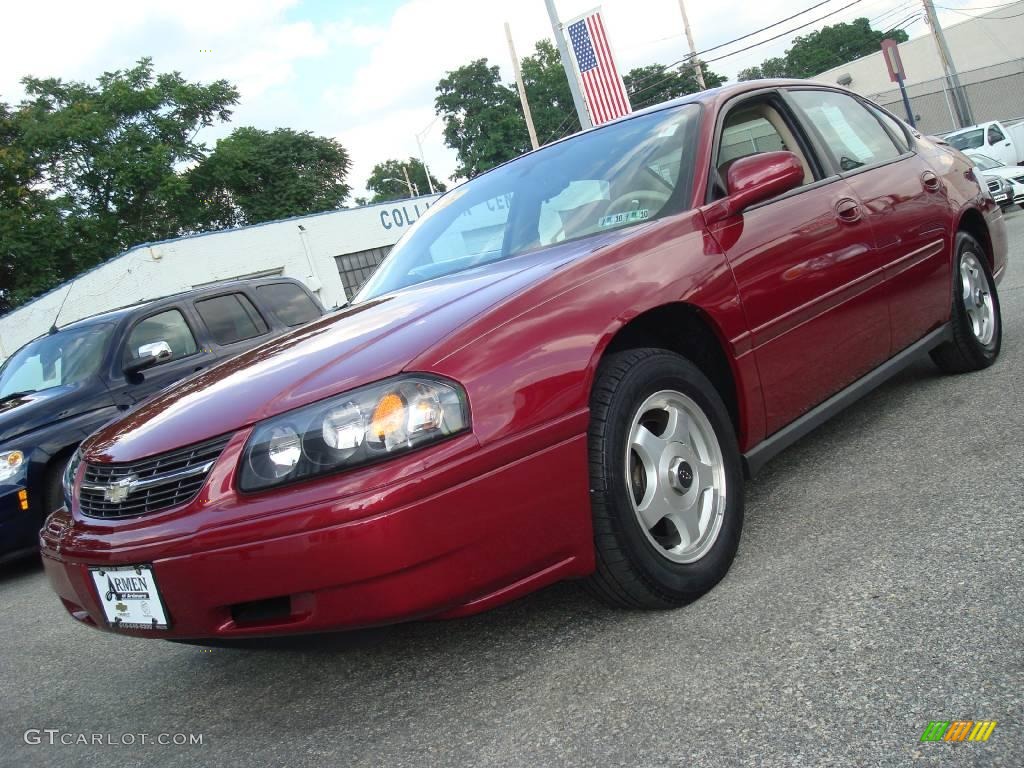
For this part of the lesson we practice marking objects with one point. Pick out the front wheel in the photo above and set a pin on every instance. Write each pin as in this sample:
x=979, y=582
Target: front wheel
x=666, y=481
x=975, y=317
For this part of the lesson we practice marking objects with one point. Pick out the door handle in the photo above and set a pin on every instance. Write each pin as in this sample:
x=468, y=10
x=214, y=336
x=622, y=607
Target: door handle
x=931, y=181
x=848, y=211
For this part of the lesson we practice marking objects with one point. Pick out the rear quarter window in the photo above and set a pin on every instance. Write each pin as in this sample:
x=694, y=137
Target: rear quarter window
x=289, y=303
x=231, y=318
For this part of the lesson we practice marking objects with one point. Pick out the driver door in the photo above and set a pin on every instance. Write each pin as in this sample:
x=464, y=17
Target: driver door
x=808, y=274
x=170, y=326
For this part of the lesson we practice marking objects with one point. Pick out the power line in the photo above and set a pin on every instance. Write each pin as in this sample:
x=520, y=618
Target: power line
x=749, y=47
x=730, y=42
x=982, y=15
x=978, y=7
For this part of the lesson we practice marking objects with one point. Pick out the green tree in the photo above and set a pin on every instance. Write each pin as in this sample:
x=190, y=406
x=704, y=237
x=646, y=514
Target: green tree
x=654, y=84
x=387, y=180
x=482, y=122
x=254, y=176
x=777, y=66
x=547, y=90
x=90, y=169
x=823, y=49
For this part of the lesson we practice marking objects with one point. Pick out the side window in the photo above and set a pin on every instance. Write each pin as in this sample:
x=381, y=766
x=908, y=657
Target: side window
x=289, y=302
x=231, y=318
x=752, y=129
x=169, y=327
x=854, y=137
x=995, y=135
x=895, y=127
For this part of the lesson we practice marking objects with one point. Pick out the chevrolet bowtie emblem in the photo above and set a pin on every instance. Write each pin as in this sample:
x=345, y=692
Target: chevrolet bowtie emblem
x=118, y=491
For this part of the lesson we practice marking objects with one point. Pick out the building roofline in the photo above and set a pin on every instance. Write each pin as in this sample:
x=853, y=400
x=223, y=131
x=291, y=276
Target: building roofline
x=195, y=235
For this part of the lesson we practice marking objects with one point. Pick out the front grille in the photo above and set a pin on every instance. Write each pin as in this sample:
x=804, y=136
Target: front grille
x=168, y=480
x=993, y=185
x=1019, y=179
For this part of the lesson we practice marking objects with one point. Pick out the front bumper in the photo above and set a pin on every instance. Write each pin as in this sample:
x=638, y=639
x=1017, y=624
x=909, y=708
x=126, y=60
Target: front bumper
x=476, y=543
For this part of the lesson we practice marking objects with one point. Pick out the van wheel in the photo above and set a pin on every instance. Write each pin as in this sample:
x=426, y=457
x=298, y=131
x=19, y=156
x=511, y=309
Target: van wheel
x=975, y=318
x=666, y=481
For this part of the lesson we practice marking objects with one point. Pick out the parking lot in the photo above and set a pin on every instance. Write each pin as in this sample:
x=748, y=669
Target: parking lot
x=878, y=587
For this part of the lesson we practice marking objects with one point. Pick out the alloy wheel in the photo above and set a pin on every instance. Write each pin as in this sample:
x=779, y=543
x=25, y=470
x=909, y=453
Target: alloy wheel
x=675, y=473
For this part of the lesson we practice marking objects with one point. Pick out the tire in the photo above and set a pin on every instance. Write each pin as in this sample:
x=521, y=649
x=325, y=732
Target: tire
x=697, y=468
x=975, y=318
x=53, y=490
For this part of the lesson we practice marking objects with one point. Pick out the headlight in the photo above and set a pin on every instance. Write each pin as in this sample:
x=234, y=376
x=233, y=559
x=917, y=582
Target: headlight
x=68, y=481
x=359, y=427
x=12, y=464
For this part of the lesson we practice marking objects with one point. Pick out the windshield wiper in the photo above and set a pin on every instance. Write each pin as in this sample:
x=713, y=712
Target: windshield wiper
x=15, y=395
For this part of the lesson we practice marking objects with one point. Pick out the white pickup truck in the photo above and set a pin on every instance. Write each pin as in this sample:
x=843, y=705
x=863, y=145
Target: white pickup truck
x=1000, y=141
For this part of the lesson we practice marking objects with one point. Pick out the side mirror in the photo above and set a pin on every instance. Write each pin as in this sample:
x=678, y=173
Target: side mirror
x=149, y=355
x=756, y=178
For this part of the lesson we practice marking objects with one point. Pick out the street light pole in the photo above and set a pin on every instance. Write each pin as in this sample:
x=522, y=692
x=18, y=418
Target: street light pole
x=697, y=71
x=407, y=183
x=570, y=71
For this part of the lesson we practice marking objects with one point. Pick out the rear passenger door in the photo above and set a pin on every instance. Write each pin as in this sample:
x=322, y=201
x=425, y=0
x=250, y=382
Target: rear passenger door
x=904, y=201
x=233, y=323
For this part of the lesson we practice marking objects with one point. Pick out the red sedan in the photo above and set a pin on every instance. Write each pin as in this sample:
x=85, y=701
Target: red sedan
x=564, y=370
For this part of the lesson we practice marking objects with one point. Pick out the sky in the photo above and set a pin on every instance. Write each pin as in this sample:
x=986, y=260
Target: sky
x=364, y=71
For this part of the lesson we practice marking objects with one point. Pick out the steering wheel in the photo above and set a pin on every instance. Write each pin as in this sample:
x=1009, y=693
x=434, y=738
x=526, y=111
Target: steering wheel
x=652, y=199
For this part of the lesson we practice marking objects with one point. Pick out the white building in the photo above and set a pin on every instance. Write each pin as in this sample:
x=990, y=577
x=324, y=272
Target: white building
x=993, y=37
x=332, y=252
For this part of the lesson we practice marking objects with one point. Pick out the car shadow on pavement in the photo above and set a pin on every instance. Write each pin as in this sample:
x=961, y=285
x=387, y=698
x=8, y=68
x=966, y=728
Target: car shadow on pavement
x=21, y=567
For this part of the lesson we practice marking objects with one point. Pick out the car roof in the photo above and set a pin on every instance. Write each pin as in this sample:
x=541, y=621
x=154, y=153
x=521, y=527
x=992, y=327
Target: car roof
x=712, y=96
x=113, y=315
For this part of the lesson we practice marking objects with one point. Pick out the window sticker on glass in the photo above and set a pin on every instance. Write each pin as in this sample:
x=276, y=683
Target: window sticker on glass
x=626, y=217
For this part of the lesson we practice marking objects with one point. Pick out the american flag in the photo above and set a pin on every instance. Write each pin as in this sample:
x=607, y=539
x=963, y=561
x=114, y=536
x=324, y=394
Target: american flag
x=603, y=88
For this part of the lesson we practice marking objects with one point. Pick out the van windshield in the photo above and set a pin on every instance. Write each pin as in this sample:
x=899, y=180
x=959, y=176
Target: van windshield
x=62, y=358
x=622, y=175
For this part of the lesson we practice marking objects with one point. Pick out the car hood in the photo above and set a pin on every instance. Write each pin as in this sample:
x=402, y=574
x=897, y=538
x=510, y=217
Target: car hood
x=1006, y=172
x=26, y=413
x=358, y=345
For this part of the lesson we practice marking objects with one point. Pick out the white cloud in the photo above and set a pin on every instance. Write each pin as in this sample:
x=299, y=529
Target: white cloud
x=362, y=75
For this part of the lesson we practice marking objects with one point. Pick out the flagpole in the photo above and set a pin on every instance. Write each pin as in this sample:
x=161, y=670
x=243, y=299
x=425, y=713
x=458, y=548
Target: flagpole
x=567, y=65
x=522, y=88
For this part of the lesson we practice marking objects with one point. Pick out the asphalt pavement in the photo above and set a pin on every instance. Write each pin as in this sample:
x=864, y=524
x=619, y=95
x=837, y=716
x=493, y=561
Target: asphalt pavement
x=877, y=588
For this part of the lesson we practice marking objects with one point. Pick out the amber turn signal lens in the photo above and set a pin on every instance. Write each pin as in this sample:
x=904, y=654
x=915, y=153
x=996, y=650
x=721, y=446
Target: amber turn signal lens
x=388, y=416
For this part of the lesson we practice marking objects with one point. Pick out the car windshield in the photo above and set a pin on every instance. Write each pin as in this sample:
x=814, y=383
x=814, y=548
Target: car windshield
x=985, y=163
x=62, y=358
x=621, y=175
x=971, y=139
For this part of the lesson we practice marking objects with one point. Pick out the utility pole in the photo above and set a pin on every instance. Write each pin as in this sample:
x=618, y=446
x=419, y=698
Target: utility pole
x=693, y=49
x=522, y=88
x=423, y=161
x=570, y=71
x=963, y=108
x=413, y=191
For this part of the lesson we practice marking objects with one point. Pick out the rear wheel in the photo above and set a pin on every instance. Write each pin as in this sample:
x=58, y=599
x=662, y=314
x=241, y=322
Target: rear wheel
x=667, y=487
x=975, y=318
